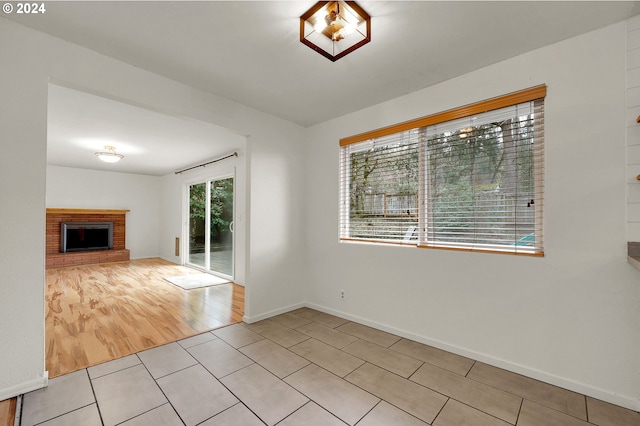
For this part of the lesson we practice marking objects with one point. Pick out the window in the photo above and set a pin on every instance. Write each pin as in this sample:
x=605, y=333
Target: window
x=469, y=178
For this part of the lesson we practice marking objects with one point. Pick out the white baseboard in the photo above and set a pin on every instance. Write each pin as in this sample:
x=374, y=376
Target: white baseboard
x=256, y=318
x=597, y=393
x=22, y=388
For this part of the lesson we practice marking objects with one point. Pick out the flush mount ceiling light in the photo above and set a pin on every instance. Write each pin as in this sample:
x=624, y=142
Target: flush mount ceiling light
x=335, y=28
x=109, y=156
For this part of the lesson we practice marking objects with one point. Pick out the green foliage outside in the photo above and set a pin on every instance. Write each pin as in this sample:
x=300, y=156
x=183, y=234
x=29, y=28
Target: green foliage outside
x=481, y=174
x=221, y=211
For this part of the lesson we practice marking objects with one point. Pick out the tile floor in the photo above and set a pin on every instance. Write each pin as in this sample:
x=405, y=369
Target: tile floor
x=306, y=368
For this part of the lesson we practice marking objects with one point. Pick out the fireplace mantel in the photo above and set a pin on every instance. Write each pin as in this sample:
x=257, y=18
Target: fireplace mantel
x=55, y=259
x=86, y=211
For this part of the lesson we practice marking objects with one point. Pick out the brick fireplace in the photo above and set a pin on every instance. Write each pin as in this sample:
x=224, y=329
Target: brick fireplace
x=55, y=259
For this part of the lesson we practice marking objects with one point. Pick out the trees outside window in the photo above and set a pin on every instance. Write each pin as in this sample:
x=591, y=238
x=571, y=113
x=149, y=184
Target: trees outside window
x=471, y=183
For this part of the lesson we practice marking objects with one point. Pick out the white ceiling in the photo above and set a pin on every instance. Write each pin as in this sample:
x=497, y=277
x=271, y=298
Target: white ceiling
x=80, y=124
x=250, y=52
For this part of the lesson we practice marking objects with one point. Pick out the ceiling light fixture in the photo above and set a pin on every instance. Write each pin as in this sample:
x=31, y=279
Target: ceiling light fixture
x=335, y=28
x=110, y=155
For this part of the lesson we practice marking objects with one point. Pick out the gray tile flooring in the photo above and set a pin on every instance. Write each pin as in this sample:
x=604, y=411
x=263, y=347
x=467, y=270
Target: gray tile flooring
x=307, y=368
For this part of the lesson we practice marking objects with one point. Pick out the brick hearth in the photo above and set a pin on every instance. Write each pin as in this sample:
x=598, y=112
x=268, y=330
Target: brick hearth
x=55, y=259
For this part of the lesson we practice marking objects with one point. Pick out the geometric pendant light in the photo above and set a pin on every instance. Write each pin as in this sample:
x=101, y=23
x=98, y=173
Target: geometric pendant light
x=335, y=28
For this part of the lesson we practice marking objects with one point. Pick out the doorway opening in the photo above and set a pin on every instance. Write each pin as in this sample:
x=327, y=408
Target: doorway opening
x=163, y=313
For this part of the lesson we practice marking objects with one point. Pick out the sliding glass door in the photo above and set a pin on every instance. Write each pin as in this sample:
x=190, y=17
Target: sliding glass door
x=211, y=226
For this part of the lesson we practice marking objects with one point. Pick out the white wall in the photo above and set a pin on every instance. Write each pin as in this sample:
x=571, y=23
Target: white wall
x=633, y=129
x=23, y=118
x=29, y=61
x=572, y=317
x=92, y=189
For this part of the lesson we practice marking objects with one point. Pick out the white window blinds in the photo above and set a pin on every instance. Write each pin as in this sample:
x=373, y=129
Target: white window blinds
x=472, y=182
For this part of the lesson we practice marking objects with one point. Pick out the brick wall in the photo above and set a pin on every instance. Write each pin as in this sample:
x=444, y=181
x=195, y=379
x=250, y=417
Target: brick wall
x=55, y=259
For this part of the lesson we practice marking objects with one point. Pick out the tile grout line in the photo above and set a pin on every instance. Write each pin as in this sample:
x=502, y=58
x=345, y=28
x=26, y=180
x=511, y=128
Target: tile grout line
x=586, y=408
x=234, y=405
x=367, y=413
x=441, y=409
x=388, y=402
x=109, y=374
x=470, y=368
x=519, y=411
x=373, y=408
x=68, y=412
x=240, y=401
x=148, y=411
x=301, y=407
x=316, y=402
x=95, y=397
x=155, y=381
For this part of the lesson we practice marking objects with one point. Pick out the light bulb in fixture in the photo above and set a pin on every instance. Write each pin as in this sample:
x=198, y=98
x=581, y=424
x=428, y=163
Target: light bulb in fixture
x=335, y=28
x=110, y=155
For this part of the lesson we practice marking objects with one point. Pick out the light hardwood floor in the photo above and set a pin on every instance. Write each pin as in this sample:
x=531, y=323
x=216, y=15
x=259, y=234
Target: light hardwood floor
x=7, y=412
x=96, y=313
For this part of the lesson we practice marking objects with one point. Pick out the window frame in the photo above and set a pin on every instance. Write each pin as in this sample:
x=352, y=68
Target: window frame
x=528, y=95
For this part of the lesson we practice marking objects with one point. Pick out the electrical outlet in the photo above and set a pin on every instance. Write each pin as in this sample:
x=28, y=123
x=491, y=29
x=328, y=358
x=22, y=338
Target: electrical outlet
x=341, y=294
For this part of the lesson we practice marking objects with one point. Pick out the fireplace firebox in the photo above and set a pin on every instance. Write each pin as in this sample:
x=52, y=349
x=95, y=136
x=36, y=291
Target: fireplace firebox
x=86, y=236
